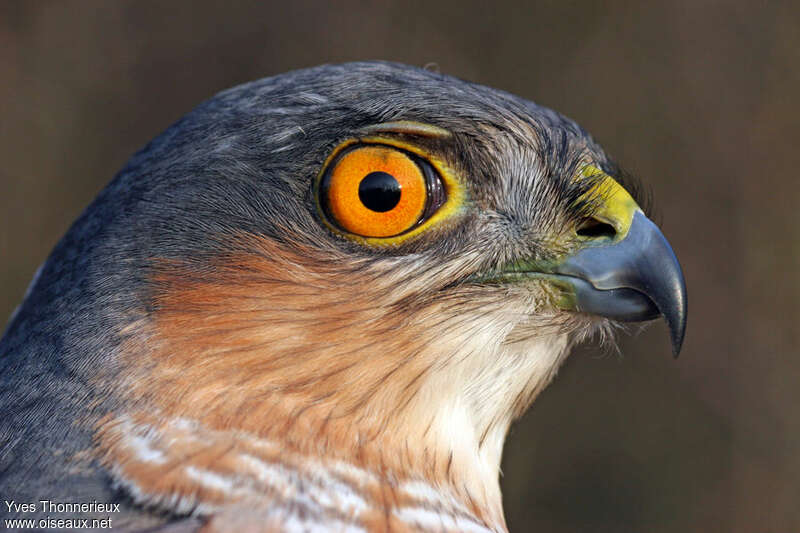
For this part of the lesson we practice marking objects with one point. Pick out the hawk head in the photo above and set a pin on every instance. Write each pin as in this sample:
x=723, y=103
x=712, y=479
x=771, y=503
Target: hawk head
x=334, y=290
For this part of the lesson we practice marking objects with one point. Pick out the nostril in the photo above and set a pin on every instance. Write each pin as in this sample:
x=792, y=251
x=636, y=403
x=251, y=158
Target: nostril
x=595, y=229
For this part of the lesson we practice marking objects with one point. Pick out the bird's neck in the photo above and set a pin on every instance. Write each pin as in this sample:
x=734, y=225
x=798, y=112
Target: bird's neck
x=239, y=478
x=436, y=462
x=275, y=380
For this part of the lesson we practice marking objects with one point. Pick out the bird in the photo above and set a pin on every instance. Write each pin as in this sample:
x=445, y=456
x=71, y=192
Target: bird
x=318, y=302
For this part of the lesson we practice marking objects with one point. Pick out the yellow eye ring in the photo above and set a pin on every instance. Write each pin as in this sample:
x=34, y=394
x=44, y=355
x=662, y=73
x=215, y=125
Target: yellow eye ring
x=380, y=191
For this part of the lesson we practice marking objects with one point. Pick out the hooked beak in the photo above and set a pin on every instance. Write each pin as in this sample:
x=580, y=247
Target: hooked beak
x=637, y=278
x=629, y=274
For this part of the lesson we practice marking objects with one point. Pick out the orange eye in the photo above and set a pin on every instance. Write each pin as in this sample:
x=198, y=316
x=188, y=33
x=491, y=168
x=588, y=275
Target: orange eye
x=379, y=191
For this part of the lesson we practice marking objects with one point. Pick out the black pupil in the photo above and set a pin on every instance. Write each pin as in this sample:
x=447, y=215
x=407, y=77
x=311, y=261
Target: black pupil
x=379, y=191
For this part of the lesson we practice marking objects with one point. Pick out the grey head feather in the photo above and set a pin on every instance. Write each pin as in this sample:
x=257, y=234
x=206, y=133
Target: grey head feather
x=244, y=161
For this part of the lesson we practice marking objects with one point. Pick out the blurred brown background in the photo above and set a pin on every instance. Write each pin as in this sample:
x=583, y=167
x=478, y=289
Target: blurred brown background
x=699, y=99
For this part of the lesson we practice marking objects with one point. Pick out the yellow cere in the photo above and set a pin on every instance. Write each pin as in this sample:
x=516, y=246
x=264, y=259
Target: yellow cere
x=617, y=206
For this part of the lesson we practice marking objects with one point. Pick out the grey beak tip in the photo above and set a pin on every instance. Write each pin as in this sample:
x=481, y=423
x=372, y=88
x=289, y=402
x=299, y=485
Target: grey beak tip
x=661, y=273
x=677, y=341
x=671, y=299
x=677, y=320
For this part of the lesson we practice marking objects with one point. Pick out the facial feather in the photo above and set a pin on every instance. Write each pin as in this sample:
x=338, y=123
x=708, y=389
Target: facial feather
x=206, y=292
x=346, y=360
